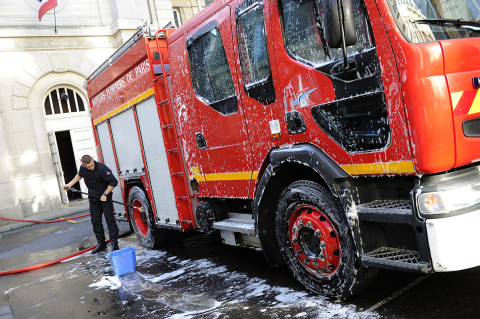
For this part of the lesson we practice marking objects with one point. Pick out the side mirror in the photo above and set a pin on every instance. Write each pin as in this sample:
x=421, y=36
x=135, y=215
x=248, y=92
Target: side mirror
x=337, y=19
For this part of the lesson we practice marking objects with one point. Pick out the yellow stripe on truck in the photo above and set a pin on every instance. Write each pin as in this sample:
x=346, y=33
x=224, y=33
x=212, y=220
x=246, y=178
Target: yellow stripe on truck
x=124, y=106
x=456, y=96
x=237, y=176
x=379, y=168
x=475, y=108
x=352, y=169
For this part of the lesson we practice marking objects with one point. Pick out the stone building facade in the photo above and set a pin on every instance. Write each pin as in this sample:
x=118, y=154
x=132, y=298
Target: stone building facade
x=45, y=126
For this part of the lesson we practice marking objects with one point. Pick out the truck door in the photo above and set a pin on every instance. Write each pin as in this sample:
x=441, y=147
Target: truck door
x=220, y=130
x=262, y=107
x=347, y=104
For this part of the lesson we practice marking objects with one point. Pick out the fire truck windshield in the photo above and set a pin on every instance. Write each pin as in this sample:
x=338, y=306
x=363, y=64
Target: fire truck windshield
x=430, y=20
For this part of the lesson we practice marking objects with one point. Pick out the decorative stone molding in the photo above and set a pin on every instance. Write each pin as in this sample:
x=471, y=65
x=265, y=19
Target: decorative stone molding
x=45, y=63
x=59, y=61
x=65, y=43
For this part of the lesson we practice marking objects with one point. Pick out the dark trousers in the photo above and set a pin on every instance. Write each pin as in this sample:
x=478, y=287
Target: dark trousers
x=96, y=209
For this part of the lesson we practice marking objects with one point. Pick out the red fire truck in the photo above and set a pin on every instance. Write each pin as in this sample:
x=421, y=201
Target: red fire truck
x=338, y=136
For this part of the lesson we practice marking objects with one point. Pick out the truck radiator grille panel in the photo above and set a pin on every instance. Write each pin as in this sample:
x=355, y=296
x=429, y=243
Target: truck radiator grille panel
x=396, y=258
x=388, y=206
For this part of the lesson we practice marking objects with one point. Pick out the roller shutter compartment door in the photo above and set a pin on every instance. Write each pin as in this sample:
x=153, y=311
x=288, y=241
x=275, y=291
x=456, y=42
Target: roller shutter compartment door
x=156, y=159
x=109, y=160
x=125, y=140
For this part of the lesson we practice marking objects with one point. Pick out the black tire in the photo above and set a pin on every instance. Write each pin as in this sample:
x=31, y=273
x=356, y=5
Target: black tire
x=143, y=223
x=316, y=243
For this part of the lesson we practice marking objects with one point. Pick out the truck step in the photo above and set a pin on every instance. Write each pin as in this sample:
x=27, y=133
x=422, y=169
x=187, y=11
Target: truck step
x=391, y=206
x=236, y=225
x=396, y=258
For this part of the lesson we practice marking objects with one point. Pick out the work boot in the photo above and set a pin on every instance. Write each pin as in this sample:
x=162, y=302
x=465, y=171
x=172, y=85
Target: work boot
x=101, y=246
x=114, y=244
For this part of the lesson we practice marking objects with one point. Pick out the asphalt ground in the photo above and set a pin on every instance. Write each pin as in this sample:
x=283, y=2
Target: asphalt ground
x=197, y=277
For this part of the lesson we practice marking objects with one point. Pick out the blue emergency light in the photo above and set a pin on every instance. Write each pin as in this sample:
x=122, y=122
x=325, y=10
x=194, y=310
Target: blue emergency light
x=476, y=82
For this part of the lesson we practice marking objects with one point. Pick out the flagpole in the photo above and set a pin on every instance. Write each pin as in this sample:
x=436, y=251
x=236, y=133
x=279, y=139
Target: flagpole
x=55, y=17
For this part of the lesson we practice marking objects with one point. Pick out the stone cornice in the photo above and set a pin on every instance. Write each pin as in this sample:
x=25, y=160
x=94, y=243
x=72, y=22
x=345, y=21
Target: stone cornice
x=56, y=43
x=62, y=31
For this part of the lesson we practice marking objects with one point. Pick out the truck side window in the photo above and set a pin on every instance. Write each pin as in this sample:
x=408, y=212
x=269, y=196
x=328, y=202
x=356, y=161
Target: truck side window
x=253, y=54
x=210, y=73
x=303, y=32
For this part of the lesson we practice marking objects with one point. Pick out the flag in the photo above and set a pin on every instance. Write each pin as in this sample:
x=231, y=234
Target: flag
x=45, y=6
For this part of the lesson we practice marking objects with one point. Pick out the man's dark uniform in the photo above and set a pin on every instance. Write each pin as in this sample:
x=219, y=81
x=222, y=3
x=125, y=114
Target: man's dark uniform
x=97, y=182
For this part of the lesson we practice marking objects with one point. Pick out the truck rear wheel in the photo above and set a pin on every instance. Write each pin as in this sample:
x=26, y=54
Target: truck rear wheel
x=142, y=221
x=315, y=241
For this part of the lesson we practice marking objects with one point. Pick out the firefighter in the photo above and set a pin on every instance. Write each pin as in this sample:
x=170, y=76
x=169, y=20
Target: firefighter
x=100, y=182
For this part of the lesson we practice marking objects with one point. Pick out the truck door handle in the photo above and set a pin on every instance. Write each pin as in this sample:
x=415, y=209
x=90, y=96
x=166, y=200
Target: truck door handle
x=201, y=143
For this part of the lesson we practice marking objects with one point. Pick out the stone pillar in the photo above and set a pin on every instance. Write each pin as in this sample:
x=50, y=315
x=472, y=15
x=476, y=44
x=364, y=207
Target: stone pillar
x=164, y=12
x=128, y=16
x=9, y=202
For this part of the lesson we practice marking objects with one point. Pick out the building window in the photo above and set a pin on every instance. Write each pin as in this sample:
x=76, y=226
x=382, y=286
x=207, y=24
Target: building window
x=176, y=17
x=63, y=101
x=211, y=77
x=474, y=7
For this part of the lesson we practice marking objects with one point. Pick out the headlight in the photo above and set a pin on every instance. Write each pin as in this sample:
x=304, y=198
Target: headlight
x=447, y=201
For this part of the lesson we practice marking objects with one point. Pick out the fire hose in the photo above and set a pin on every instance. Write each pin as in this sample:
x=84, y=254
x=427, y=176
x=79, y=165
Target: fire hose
x=49, y=263
x=52, y=262
x=141, y=209
x=43, y=221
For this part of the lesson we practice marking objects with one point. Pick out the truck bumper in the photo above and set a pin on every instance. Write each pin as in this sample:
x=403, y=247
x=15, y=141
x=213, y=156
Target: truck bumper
x=454, y=241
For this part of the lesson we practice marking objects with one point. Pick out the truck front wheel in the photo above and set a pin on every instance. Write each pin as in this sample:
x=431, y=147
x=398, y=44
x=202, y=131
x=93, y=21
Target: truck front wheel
x=315, y=241
x=142, y=221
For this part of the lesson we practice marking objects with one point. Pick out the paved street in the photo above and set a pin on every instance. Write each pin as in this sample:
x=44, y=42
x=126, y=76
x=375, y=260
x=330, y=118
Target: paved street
x=200, y=278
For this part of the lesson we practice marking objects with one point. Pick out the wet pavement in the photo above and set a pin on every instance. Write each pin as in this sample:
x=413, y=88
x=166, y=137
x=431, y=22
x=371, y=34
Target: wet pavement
x=197, y=277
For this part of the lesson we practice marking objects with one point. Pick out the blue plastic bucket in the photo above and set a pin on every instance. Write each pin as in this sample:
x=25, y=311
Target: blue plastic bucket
x=123, y=260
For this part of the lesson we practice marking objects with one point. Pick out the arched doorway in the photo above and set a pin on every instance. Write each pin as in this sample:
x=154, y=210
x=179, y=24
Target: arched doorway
x=70, y=134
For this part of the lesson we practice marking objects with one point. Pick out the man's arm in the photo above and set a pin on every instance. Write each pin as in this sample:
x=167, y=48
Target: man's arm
x=106, y=192
x=108, y=177
x=75, y=180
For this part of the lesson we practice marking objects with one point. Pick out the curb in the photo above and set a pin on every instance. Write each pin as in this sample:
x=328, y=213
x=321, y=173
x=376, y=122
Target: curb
x=81, y=206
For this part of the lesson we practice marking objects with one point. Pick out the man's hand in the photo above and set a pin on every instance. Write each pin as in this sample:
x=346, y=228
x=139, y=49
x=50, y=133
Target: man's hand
x=103, y=198
x=76, y=179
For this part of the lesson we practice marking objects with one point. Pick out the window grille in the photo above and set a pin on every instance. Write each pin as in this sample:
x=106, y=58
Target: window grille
x=63, y=101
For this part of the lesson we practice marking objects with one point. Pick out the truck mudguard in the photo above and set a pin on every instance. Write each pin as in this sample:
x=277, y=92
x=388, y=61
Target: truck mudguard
x=264, y=202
